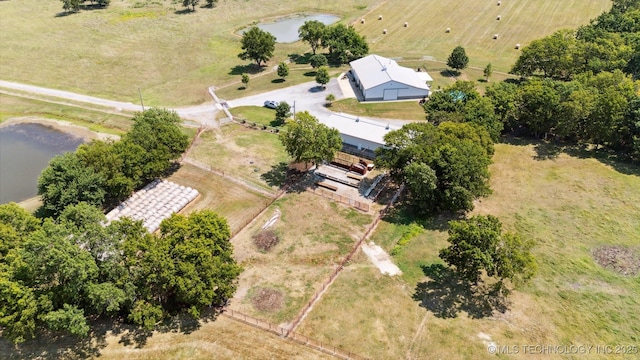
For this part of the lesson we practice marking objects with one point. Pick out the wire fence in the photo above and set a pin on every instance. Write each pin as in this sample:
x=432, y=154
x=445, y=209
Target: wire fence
x=344, y=261
x=360, y=205
x=293, y=336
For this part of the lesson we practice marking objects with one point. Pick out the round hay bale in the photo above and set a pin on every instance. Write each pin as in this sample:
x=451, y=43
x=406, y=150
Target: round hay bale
x=499, y=17
x=495, y=36
x=406, y=24
x=517, y=46
x=499, y=3
x=384, y=31
x=448, y=30
x=361, y=21
x=379, y=17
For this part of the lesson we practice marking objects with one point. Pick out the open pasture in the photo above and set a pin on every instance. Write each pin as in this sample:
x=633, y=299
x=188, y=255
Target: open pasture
x=570, y=205
x=172, y=56
x=472, y=24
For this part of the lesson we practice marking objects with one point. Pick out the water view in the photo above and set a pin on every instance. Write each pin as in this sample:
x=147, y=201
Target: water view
x=25, y=150
x=286, y=30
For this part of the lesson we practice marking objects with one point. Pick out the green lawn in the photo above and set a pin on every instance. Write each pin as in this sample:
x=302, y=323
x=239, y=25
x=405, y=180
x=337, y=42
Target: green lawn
x=14, y=106
x=255, y=114
x=568, y=205
x=406, y=110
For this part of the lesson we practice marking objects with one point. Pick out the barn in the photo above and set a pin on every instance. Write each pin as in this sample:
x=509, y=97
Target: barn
x=380, y=78
x=359, y=135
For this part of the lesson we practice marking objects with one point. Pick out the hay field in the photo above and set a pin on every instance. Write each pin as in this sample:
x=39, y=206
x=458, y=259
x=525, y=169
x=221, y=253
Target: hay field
x=171, y=56
x=473, y=24
x=569, y=204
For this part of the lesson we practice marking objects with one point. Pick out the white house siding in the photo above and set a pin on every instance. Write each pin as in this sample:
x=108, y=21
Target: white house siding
x=361, y=144
x=404, y=92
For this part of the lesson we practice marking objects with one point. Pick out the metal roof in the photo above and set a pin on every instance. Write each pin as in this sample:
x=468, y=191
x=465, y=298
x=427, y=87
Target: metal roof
x=374, y=70
x=358, y=127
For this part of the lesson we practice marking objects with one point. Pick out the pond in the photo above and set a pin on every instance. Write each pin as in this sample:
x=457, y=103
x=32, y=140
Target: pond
x=25, y=150
x=286, y=29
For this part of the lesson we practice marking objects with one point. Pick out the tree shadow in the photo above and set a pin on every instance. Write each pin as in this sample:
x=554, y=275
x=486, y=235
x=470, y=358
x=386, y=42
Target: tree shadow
x=277, y=81
x=277, y=176
x=315, y=89
x=310, y=73
x=87, y=7
x=246, y=69
x=403, y=213
x=446, y=295
x=300, y=59
x=550, y=150
x=184, y=11
x=449, y=73
x=242, y=88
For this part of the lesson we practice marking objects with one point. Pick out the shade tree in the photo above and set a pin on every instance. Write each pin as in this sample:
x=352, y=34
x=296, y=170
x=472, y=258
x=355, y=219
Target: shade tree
x=257, y=45
x=307, y=140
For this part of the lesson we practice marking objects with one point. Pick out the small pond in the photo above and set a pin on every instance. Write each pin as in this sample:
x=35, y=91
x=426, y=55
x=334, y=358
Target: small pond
x=286, y=29
x=25, y=150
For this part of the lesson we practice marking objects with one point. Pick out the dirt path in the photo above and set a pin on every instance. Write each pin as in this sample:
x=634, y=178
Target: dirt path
x=203, y=114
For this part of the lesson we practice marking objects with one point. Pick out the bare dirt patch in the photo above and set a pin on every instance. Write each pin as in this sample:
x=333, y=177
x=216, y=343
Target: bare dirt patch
x=268, y=299
x=265, y=240
x=621, y=259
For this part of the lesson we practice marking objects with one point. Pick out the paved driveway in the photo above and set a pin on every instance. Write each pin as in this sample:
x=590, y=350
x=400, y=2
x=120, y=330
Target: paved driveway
x=306, y=97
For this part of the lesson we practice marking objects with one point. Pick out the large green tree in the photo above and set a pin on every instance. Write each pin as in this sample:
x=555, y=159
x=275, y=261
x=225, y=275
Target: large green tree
x=307, y=140
x=344, y=44
x=312, y=32
x=322, y=76
x=68, y=181
x=257, y=45
x=478, y=244
x=458, y=59
x=457, y=154
x=157, y=132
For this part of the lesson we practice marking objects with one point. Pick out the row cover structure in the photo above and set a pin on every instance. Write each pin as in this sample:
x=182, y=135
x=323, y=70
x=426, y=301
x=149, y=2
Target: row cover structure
x=154, y=203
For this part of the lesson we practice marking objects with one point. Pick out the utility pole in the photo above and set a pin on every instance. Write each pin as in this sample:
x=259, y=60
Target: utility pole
x=141, y=102
x=294, y=110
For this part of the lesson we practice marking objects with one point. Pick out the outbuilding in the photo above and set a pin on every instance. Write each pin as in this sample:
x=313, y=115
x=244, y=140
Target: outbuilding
x=360, y=136
x=380, y=78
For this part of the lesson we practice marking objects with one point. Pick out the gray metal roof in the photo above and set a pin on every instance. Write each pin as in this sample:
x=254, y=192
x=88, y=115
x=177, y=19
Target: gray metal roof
x=374, y=70
x=358, y=127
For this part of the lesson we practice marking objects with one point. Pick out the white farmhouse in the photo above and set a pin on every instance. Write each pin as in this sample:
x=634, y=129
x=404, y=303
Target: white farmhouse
x=380, y=78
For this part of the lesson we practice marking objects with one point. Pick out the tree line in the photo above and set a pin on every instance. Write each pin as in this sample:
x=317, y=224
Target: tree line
x=75, y=5
x=68, y=265
x=103, y=173
x=58, y=274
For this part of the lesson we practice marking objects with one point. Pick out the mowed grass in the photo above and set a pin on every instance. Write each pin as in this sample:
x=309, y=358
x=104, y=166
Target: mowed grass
x=223, y=338
x=255, y=156
x=171, y=57
x=315, y=234
x=406, y=110
x=568, y=205
x=255, y=114
x=473, y=24
x=234, y=202
x=15, y=106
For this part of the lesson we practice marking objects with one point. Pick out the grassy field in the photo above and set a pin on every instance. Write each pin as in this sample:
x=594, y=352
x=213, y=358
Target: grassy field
x=407, y=110
x=473, y=25
x=236, y=203
x=255, y=114
x=255, y=156
x=569, y=205
x=171, y=56
x=314, y=235
x=223, y=338
x=14, y=106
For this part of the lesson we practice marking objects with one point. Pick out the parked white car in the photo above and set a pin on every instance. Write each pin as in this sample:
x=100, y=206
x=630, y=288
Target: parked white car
x=271, y=104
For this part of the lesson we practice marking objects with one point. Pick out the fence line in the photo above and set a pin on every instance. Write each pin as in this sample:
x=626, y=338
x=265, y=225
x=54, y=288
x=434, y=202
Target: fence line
x=296, y=337
x=344, y=261
x=340, y=198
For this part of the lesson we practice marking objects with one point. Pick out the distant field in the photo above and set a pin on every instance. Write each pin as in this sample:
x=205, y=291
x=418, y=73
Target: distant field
x=569, y=205
x=173, y=57
x=473, y=24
